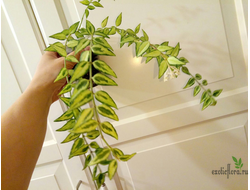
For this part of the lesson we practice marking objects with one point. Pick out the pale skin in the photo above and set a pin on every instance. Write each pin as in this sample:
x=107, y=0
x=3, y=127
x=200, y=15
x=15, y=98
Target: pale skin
x=24, y=123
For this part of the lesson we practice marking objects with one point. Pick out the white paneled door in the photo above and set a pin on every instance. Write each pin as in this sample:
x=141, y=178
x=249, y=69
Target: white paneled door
x=178, y=146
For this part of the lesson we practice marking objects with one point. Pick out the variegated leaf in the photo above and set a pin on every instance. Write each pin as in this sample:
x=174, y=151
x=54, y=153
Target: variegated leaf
x=85, y=127
x=108, y=128
x=84, y=56
x=93, y=134
x=87, y=160
x=58, y=36
x=80, y=99
x=103, y=42
x=101, y=79
x=62, y=74
x=101, y=156
x=78, y=148
x=60, y=50
x=72, y=43
x=106, y=111
x=104, y=68
x=82, y=85
x=101, y=50
x=65, y=100
x=80, y=70
x=73, y=27
x=65, y=116
x=66, y=88
x=125, y=158
x=69, y=125
x=112, y=169
x=86, y=114
x=70, y=137
x=90, y=27
x=71, y=58
x=105, y=98
x=81, y=45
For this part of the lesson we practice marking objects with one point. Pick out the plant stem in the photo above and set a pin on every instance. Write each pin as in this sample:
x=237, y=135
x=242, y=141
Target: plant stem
x=93, y=101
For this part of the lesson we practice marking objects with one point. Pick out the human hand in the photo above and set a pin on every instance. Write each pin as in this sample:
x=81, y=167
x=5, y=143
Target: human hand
x=47, y=71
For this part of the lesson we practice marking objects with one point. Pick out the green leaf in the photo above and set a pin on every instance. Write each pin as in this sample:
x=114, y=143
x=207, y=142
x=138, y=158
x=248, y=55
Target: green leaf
x=100, y=179
x=198, y=76
x=112, y=169
x=125, y=158
x=73, y=28
x=153, y=53
x=78, y=148
x=117, y=153
x=101, y=156
x=112, y=31
x=100, y=50
x=104, y=68
x=86, y=115
x=137, y=29
x=197, y=89
x=176, y=50
x=145, y=35
x=69, y=125
x=190, y=83
x=66, y=88
x=87, y=160
x=70, y=137
x=71, y=58
x=94, y=173
x=235, y=160
x=216, y=93
x=50, y=48
x=143, y=48
x=106, y=111
x=97, y=4
x=109, y=129
x=240, y=161
x=65, y=116
x=163, y=67
x=207, y=103
x=118, y=20
x=60, y=50
x=85, y=127
x=185, y=70
x=81, y=45
x=104, y=22
x=105, y=98
x=82, y=85
x=204, y=96
x=72, y=43
x=58, y=36
x=163, y=48
x=103, y=42
x=90, y=7
x=90, y=27
x=81, y=99
x=93, y=134
x=84, y=31
x=175, y=62
x=87, y=13
x=80, y=70
x=85, y=2
x=101, y=79
x=127, y=39
x=183, y=59
x=62, y=74
x=84, y=56
x=94, y=145
x=76, y=113
x=98, y=33
x=65, y=100
x=204, y=82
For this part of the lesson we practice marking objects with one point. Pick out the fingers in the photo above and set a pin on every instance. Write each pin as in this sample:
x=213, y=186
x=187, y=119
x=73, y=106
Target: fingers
x=70, y=65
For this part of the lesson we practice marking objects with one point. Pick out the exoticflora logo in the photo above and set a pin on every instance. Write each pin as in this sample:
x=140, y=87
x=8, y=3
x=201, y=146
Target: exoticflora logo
x=228, y=171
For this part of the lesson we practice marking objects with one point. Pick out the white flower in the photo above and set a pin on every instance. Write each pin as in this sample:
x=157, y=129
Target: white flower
x=171, y=73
